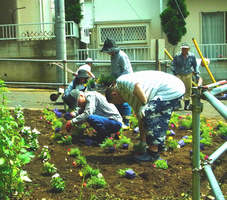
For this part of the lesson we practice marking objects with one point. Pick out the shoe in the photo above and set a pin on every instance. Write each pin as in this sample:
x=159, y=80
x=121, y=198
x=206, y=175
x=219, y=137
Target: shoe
x=178, y=106
x=186, y=105
x=162, y=147
x=147, y=157
x=125, y=127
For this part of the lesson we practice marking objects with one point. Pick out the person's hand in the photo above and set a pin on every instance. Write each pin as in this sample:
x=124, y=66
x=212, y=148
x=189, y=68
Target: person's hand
x=68, y=126
x=68, y=115
x=141, y=112
x=197, y=77
x=174, y=71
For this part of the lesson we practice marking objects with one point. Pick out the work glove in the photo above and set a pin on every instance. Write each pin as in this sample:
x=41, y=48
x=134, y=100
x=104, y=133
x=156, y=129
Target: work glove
x=141, y=112
x=68, y=115
x=68, y=126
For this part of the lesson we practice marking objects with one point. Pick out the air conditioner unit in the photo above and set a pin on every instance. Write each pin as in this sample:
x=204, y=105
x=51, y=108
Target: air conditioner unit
x=85, y=35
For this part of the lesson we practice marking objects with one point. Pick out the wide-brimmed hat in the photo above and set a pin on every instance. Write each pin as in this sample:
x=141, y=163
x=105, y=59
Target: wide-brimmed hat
x=110, y=46
x=71, y=99
x=82, y=74
x=185, y=45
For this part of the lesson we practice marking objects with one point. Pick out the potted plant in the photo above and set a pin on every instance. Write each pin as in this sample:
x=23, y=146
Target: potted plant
x=110, y=143
x=124, y=142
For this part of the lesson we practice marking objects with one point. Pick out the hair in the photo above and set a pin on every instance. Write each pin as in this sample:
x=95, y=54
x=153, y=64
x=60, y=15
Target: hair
x=77, y=80
x=108, y=92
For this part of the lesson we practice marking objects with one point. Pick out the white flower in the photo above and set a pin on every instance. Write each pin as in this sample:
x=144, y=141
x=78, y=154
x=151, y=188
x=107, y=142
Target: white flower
x=45, y=146
x=24, y=176
x=178, y=146
x=99, y=175
x=55, y=175
x=35, y=131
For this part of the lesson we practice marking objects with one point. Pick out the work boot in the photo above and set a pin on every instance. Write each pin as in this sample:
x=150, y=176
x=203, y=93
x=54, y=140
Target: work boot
x=178, y=106
x=186, y=105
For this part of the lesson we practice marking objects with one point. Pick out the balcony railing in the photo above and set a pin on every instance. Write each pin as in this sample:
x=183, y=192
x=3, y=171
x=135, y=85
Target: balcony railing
x=211, y=51
x=36, y=31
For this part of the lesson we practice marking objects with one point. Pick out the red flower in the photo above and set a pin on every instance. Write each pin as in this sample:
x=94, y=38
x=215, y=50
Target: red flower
x=48, y=122
x=66, y=137
x=117, y=133
x=74, y=163
x=69, y=134
x=84, y=184
x=69, y=149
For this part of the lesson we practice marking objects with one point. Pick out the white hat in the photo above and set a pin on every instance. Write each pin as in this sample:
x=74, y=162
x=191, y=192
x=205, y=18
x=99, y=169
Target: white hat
x=89, y=59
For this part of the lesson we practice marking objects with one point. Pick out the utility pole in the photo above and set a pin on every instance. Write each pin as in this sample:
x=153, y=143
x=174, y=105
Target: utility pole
x=60, y=38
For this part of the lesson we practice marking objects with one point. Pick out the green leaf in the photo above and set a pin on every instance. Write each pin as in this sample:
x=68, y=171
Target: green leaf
x=2, y=161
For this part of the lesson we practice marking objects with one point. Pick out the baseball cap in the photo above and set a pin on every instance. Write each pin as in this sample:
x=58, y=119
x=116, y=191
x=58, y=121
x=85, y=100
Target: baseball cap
x=185, y=45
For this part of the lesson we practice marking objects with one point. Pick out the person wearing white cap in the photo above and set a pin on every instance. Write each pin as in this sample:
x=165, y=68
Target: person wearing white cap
x=182, y=64
x=87, y=67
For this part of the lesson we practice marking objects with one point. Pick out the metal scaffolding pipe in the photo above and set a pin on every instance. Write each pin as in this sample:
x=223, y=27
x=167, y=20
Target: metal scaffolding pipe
x=196, y=110
x=219, y=106
x=217, y=153
x=219, y=90
x=213, y=183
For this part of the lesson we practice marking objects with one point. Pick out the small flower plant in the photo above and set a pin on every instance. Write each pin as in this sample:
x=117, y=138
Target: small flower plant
x=67, y=139
x=45, y=155
x=49, y=168
x=56, y=136
x=123, y=140
x=161, y=164
x=57, y=183
x=19, y=115
x=223, y=130
x=87, y=170
x=121, y=172
x=139, y=148
x=108, y=142
x=172, y=143
x=133, y=121
x=80, y=160
x=96, y=182
x=74, y=152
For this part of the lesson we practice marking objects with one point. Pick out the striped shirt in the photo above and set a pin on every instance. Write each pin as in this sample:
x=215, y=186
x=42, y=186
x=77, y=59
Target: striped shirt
x=155, y=84
x=96, y=104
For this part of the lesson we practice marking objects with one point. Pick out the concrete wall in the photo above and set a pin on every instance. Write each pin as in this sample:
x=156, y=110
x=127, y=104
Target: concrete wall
x=26, y=71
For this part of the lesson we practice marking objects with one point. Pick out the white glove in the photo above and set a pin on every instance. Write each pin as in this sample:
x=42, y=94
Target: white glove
x=141, y=112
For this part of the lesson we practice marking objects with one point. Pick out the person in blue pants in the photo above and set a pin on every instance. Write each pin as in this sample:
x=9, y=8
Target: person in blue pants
x=120, y=65
x=94, y=109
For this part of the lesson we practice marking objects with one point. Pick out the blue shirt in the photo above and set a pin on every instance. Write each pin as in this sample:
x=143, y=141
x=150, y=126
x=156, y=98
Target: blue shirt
x=184, y=66
x=120, y=64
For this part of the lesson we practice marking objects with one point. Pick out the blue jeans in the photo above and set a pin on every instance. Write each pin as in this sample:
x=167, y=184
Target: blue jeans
x=103, y=125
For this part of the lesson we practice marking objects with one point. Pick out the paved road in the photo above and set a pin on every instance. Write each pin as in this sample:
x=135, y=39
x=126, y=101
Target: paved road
x=40, y=98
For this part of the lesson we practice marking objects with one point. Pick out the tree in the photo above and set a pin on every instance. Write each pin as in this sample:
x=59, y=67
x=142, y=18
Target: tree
x=172, y=21
x=73, y=10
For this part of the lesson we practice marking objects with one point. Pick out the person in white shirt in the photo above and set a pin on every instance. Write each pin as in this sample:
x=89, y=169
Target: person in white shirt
x=152, y=95
x=86, y=67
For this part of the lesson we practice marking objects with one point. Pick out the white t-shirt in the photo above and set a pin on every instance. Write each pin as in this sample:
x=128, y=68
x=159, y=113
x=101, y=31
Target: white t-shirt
x=85, y=67
x=155, y=84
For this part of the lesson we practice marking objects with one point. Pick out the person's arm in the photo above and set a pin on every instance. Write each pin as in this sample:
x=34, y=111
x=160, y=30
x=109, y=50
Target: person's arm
x=138, y=92
x=125, y=65
x=69, y=88
x=195, y=66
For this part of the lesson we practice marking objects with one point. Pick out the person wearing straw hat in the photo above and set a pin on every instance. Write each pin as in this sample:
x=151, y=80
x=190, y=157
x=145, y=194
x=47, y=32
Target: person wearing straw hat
x=78, y=83
x=94, y=109
x=182, y=64
x=120, y=65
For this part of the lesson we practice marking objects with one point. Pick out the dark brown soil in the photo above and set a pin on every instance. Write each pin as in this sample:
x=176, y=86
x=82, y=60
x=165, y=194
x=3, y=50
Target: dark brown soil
x=150, y=182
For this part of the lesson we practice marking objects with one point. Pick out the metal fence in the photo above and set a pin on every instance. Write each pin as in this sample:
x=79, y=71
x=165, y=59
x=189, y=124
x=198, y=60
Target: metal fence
x=36, y=31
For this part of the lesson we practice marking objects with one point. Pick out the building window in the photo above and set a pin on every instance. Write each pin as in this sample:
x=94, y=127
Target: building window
x=124, y=34
x=214, y=30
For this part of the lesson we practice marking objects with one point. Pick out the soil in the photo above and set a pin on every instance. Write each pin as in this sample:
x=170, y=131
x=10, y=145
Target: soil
x=149, y=183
